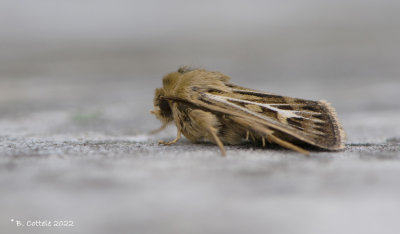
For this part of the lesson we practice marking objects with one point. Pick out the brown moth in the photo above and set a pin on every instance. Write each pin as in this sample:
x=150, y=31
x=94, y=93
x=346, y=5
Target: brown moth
x=205, y=106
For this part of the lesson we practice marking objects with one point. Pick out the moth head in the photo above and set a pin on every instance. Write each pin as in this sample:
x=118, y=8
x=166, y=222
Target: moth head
x=162, y=110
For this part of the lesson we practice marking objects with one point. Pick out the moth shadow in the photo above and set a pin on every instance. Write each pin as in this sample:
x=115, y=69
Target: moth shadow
x=276, y=147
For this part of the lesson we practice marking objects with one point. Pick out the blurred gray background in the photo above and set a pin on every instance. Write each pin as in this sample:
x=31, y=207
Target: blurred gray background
x=76, y=86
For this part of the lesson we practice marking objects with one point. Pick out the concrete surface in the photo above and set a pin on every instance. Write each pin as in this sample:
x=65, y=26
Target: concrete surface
x=74, y=117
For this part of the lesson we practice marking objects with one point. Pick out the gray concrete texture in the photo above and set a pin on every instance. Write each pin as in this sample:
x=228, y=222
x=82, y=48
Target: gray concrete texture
x=76, y=87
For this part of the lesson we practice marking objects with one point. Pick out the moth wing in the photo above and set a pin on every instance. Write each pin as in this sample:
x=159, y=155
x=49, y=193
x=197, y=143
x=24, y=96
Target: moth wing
x=312, y=122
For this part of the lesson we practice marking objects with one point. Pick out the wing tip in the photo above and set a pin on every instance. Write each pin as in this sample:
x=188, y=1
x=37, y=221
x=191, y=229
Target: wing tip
x=339, y=131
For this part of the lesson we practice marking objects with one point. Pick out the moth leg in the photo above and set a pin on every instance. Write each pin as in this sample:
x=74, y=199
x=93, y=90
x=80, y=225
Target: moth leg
x=206, y=126
x=288, y=145
x=159, y=129
x=178, y=136
x=217, y=140
x=252, y=137
x=247, y=135
x=263, y=141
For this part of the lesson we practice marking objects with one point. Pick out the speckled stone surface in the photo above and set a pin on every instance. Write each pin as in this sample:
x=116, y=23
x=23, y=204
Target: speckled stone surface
x=74, y=118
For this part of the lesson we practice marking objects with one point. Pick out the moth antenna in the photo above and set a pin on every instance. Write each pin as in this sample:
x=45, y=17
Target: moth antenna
x=178, y=136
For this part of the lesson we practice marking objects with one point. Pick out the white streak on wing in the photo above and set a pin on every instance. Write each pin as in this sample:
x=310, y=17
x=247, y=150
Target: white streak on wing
x=224, y=100
x=285, y=113
x=275, y=104
x=302, y=111
x=282, y=113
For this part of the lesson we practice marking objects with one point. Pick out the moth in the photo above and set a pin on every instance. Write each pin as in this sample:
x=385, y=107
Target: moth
x=206, y=106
